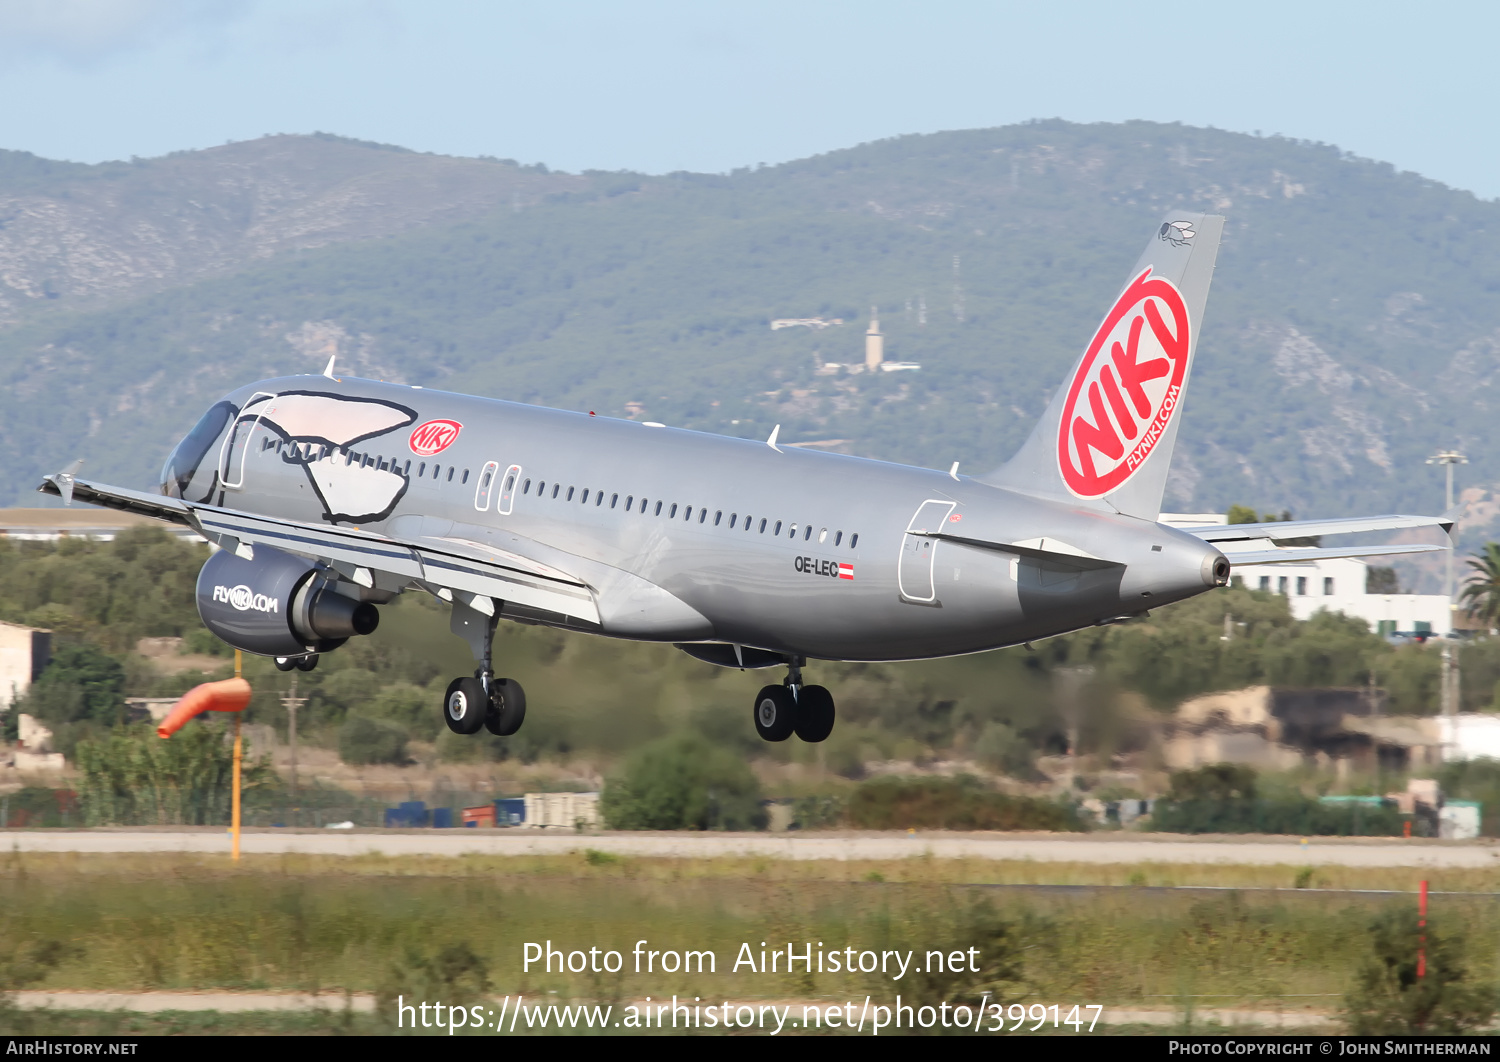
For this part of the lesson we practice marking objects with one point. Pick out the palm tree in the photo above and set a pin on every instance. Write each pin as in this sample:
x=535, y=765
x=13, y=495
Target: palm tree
x=1481, y=594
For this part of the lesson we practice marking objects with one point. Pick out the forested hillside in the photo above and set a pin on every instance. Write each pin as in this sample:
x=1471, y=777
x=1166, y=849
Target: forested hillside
x=1354, y=324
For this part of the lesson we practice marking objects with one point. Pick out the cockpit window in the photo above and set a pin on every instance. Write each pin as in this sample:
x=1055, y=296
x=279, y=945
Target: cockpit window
x=185, y=459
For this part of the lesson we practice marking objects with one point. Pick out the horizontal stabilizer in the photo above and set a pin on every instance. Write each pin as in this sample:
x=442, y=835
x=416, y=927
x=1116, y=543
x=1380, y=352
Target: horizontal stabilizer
x=1064, y=557
x=1282, y=530
x=1241, y=559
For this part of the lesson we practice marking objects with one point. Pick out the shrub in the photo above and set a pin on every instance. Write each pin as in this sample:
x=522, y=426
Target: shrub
x=683, y=783
x=951, y=804
x=1225, y=798
x=1000, y=748
x=364, y=741
x=1388, y=997
x=134, y=777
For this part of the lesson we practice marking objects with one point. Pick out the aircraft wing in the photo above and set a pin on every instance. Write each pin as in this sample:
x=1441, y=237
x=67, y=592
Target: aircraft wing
x=1307, y=528
x=470, y=571
x=1245, y=558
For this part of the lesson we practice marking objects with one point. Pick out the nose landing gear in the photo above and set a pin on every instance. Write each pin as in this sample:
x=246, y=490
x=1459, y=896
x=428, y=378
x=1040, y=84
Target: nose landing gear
x=792, y=708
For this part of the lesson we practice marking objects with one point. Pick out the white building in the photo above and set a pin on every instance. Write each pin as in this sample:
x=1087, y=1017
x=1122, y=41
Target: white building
x=24, y=651
x=1333, y=585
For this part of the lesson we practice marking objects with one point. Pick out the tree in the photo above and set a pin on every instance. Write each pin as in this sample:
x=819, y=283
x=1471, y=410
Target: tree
x=683, y=783
x=1388, y=996
x=1481, y=594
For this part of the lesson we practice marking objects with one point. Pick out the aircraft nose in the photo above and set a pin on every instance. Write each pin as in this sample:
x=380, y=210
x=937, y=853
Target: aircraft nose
x=1215, y=569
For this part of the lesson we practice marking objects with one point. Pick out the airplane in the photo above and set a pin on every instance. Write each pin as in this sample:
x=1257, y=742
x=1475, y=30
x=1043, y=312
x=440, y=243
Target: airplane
x=330, y=495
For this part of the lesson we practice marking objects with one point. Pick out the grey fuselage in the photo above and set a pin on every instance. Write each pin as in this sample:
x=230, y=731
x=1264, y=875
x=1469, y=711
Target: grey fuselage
x=738, y=581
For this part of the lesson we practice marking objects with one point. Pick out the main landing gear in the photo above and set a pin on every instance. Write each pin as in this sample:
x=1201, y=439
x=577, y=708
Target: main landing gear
x=300, y=663
x=497, y=705
x=792, y=708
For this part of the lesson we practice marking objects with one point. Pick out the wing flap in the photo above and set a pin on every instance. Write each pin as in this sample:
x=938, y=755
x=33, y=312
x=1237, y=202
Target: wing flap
x=452, y=564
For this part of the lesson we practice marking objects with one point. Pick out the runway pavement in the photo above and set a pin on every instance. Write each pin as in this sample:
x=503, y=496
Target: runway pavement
x=1064, y=848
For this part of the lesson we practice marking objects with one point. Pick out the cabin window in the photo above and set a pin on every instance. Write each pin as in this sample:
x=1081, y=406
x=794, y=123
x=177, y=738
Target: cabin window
x=405, y=469
x=658, y=508
x=485, y=481
x=854, y=540
x=823, y=536
x=629, y=502
x=585, y=499
x=437, y=470
x=763, y=525
x=599, y=498
x=541, y=487
x=451, y=470
x=732, y=518
x=526, y=487
x=807, y=534
x=672, y=513
x=466, y=476
x=614, y=499
x=265, y=444
x=778, y=528
x=422, y=470
x=838, y=538
x=570, y=494
x=510, y=482
x=687, y=514
x=556, y=487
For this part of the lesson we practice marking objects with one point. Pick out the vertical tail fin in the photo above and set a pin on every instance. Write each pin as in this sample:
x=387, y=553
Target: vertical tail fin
x=1107, y=435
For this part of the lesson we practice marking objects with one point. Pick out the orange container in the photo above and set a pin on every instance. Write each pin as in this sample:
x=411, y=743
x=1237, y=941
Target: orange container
x=231, y=695
x=483, y=815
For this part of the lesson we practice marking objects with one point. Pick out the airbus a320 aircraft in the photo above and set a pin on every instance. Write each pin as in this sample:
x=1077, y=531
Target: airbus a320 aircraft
x=329, y=496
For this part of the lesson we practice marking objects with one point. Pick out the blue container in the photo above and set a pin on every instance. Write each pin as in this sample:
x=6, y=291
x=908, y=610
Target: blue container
x=510, y=811
x=442, y=818
x=408, y=815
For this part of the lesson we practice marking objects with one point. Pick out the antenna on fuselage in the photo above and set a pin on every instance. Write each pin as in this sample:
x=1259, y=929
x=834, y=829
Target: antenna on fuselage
x=328, y=372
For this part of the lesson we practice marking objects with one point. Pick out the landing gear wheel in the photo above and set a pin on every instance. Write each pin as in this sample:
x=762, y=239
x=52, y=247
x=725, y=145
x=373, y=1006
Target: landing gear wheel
x=814, y=713
x=507, y=708
x=285, y=663
x=775, y=713
x=465, y=705
x=306, y=663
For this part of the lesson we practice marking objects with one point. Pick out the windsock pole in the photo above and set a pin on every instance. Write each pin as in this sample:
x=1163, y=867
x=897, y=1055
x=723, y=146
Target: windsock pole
x=234, y=826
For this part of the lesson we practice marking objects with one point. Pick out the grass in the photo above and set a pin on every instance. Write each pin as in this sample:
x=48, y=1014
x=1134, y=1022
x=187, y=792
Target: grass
x=377, y=924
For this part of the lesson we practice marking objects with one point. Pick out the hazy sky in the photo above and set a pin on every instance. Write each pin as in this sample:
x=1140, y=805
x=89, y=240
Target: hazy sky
x=657, y=85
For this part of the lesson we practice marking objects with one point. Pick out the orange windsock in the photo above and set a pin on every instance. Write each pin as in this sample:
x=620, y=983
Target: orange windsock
x=231, y=695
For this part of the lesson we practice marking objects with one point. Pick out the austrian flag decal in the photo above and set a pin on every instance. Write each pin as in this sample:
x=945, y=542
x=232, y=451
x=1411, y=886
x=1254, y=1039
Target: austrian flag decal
x=1126, y=389
x=846, y=571
x=434, y=437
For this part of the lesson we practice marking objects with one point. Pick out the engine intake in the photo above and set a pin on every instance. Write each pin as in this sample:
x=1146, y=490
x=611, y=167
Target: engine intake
x=278, y=604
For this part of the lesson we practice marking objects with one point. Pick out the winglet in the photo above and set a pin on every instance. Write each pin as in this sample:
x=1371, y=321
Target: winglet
x=63, y=481
x=771, y=442
x=328, y=372
x=1452, y=516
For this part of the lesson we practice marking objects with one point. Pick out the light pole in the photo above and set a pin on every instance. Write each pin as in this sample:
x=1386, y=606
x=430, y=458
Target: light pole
x=1449, y=458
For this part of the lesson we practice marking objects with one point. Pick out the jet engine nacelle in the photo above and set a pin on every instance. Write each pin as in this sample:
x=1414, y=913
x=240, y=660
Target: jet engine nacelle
x=278, y=604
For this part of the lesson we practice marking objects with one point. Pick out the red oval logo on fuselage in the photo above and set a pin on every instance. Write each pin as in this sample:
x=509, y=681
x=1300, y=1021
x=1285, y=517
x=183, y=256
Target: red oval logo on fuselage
x=434, y=437
x=1126, y=389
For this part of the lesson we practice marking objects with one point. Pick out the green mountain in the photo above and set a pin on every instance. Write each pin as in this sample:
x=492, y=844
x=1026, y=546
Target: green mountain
x=1354, y=325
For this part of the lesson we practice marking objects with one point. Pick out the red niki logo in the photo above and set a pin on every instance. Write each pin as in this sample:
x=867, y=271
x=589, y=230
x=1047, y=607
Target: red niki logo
x=434, y=437
x=1128, y=386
